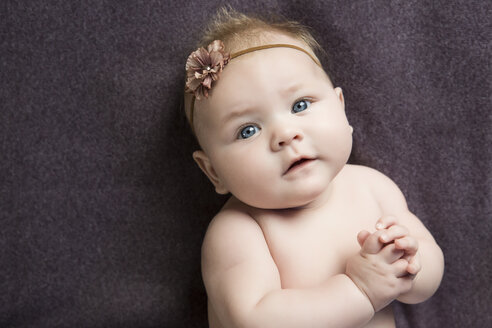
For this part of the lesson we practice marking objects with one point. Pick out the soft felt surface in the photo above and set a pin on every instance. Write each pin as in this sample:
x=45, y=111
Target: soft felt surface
x=102, y=210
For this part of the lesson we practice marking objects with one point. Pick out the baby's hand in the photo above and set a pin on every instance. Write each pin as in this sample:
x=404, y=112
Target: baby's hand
x=394, y=232
x=379, y=270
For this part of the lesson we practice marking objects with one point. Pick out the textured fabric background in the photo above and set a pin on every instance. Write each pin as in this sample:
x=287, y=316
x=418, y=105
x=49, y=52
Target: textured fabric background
x=102, y=210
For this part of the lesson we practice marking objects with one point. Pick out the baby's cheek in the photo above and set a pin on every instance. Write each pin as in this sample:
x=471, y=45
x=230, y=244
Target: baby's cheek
x=253, y=187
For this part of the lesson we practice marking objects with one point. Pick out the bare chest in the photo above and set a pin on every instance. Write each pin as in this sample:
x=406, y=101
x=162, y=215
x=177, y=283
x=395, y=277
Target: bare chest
x=313, y=246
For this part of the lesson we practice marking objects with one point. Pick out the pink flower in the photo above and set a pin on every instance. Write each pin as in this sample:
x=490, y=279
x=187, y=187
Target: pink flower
x=203, y=67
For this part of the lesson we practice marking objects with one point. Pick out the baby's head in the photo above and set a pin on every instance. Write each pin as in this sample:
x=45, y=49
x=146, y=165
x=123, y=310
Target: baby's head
x=271, y=126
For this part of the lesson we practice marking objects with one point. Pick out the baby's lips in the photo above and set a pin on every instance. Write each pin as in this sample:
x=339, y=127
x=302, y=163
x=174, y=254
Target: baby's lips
x=298, y=161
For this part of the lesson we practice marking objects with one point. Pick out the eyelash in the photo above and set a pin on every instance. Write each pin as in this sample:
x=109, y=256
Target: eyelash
x=241, y=129
x=307, y=100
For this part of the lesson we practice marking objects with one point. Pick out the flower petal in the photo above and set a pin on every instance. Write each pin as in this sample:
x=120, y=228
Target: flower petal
x=214, y=76
x=199, y=75
x=216, y=58
x=193, y=83
x=198, y=59
x=193, y=62
x=207, y=82
x=199, y=93
x=216, y=45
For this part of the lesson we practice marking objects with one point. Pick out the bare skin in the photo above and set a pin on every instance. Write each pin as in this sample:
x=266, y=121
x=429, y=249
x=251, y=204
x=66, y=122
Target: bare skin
x=289, y=252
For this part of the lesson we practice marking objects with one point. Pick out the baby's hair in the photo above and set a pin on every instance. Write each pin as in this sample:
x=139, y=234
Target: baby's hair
x=239, y=31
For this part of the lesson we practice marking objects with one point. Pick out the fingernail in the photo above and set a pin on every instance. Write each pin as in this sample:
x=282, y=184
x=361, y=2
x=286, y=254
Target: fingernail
x=384, y=238
x=379, y=226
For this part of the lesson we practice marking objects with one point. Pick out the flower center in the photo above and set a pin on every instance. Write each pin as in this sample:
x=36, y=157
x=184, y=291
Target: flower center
x=208, y=68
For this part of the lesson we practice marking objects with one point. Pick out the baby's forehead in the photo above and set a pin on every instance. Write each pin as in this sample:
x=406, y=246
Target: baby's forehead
x=287, y=64
x=258, y=76
x=273, y=69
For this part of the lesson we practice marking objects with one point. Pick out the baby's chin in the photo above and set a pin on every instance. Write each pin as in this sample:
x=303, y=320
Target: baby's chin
x=281, y=203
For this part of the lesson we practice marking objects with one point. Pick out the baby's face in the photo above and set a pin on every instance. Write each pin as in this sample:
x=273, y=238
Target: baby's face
x=273, y=131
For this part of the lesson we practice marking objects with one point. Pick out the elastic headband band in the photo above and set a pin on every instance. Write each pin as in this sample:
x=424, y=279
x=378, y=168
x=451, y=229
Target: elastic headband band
x=278, y=45
x=217, y=46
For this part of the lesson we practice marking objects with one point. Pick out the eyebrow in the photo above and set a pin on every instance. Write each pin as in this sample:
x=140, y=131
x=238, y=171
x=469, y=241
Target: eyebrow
x=236, y=113
x=291, y=88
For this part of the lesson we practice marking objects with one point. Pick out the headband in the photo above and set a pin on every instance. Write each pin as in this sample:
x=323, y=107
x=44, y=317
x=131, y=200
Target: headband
x=204, y=66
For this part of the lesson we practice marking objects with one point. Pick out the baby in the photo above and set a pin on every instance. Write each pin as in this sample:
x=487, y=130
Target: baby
x=305, y=240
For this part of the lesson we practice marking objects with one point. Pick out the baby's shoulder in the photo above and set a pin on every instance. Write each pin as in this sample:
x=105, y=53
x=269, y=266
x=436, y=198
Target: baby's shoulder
x=228, y=232
x=231, y=223
x=234, y=213
x=364, y=175
x=355, y=170
x=384, y=190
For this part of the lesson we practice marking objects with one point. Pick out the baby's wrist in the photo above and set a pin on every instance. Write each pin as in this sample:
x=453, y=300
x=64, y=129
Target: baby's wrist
x=363, y=293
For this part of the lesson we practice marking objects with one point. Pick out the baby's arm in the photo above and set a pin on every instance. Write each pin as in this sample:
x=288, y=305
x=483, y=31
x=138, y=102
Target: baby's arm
x=243, y=283
x=429, y=257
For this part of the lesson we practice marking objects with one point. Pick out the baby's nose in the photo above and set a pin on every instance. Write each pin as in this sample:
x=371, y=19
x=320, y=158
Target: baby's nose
x=283, y=136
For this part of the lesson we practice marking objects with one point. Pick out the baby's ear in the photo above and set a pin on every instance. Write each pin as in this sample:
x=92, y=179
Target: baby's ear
x=339, y=93
x=206, y=166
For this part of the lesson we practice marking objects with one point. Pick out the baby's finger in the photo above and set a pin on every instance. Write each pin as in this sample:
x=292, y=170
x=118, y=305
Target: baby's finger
x=362, y=236
x=400, y=268
x=414, y=266
x=406, y=283
x=392, y=233
x=391, y=254
x=409, y=244
x=386, y=222
x=372, y=245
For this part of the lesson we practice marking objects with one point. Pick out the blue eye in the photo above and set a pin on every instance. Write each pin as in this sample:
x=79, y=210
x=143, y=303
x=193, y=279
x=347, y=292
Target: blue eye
x=300, y=105
x=248, y=131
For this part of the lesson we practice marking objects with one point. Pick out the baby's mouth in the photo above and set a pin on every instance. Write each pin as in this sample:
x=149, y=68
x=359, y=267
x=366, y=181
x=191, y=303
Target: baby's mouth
x=298, y=164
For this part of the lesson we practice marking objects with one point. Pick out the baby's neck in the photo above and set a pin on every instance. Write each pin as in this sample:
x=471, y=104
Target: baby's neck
x=321, y=203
